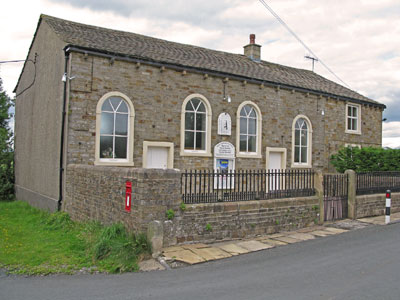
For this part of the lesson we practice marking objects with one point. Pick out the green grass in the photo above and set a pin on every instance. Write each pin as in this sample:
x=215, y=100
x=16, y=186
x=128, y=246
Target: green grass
x=36, y=242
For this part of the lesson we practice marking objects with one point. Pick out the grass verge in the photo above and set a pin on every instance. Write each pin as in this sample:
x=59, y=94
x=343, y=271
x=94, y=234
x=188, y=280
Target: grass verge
x=36, y=242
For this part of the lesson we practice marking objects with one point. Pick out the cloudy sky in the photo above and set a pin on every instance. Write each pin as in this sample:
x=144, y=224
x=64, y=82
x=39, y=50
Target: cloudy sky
x=358, y=39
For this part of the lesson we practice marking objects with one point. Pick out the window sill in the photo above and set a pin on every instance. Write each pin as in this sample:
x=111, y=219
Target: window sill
x=248, y=155
x=195, y=153
x=301, y=166
x=353, y=132
x=114, y=163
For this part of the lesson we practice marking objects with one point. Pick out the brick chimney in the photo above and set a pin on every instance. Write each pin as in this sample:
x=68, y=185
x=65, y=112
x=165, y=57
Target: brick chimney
x=252, y=50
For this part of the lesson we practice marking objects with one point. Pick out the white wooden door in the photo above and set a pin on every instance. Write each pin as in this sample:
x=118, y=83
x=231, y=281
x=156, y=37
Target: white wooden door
x=157, y=157
x=275, y=160
x=274, y=163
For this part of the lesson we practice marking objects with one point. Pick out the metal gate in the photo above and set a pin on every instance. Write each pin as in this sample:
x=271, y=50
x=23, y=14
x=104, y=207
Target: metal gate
x=335, y=196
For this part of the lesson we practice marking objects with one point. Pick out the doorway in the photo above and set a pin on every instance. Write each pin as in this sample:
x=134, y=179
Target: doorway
x=158, y=155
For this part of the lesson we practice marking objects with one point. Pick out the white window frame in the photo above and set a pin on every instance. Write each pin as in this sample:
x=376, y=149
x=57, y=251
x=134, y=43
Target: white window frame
x=131, y=120
x=358, y=107
x=243, y=154
x=307, y=165
x=207, y=151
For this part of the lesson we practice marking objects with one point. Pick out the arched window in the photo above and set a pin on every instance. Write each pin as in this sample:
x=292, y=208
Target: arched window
x=114, y=132
x=249, y=130
x=301, y=141
x=196, y=126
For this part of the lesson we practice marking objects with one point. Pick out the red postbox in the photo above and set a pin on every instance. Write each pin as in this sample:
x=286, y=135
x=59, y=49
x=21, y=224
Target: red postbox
x=128, y=196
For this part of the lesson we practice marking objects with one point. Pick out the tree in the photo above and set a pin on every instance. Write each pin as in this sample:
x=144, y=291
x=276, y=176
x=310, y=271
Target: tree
x=366, y=159
x=6, y=147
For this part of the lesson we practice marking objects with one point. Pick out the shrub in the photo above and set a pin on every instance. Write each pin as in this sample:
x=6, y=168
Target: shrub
x=170, y=214
x=367, y=159
x=6, y=148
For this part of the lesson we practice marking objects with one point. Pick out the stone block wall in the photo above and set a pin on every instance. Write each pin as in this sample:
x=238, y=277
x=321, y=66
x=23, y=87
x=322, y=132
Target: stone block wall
x=231, y=220
x=374, y=205
x=98, y=193
x=158, y=95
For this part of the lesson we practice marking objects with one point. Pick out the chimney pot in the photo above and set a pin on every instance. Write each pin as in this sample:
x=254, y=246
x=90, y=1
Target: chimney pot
x=252, y=50
x=252, y=38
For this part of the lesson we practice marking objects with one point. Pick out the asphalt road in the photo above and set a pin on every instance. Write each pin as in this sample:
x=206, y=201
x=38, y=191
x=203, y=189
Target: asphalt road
x=360, y=264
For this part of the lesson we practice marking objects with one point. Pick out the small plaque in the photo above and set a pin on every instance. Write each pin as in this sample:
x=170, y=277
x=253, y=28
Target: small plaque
x=224, y=124
x=224, y=150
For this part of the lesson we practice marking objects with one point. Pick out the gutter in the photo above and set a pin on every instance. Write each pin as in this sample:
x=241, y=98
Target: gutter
x=60, y=198
x=122, y=57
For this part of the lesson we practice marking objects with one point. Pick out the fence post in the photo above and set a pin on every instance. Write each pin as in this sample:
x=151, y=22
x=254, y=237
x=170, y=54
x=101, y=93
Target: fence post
x=319, y=192
x=351, y=194
x=388, y=204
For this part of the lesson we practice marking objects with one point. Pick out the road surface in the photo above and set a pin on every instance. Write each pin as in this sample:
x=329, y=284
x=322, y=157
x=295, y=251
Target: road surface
x=360, y=264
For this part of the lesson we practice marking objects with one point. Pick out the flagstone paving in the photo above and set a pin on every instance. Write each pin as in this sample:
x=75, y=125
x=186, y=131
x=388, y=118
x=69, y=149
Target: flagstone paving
x=200, y=252
x=233, y=249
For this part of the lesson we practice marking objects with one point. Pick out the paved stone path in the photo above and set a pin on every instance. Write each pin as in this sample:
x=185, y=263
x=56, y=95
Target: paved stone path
x=198, y=253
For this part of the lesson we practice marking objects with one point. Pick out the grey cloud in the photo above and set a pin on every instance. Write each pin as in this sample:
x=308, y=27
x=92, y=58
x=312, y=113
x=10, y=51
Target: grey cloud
x=392, y=111
x=206, y=14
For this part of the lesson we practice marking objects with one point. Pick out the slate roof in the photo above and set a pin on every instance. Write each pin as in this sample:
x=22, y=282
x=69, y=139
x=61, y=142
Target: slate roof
x=157, y=50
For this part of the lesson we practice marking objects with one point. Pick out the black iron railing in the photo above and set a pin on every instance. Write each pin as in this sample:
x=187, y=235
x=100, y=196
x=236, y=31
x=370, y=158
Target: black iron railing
x=377, y=182
x=335, y=188
x=207, y=186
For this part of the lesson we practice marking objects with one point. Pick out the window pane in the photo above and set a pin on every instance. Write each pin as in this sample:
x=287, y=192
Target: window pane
x=354, y=124
x=120, y=147
x=304, y=154
x=296, y=154
x=253, y=113
x=252, y=144
x=297, y=137
x=107, y=123
x=252, y=126
x=349, y=111
x=189, y=121
x=189, y=106
x=348, y=124
x=243, y=143
x=243, y=112
x=123, y=107
x=304, y=137
x=243, y=125
x=106, y=106
x=200, y=140
x=202, y=108
x=121, y=124
x=106, y=147
x=201, y=122
x=195, y=103
x=304, y=125
x=115, y=102
x=189, y=140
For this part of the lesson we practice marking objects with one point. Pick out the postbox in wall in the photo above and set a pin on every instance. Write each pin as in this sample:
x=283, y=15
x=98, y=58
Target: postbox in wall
x=128, y=196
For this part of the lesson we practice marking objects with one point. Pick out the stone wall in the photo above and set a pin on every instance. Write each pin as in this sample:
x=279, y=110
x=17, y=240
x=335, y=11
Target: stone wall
x=98, y=193
x=38, y=111
x=157, y=96
x=231, y=220
x=374, y=205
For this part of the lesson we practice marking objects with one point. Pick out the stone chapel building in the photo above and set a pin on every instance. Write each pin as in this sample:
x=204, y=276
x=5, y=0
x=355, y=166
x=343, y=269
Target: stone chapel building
x=97, y=97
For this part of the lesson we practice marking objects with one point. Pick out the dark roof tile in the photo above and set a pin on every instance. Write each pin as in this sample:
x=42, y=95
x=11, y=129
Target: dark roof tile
x=148, y=48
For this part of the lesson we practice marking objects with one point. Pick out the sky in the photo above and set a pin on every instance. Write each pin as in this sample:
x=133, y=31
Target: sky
x=359, y=39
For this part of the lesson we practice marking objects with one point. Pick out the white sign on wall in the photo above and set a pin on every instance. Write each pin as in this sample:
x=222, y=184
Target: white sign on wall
x=224, y=124
x=224, y=150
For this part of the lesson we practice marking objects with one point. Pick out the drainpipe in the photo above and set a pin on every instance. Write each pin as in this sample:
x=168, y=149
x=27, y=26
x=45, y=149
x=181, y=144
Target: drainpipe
x=65, y=79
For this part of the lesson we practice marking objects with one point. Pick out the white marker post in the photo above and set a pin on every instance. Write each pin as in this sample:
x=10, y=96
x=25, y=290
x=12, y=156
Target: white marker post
x=388, y=203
